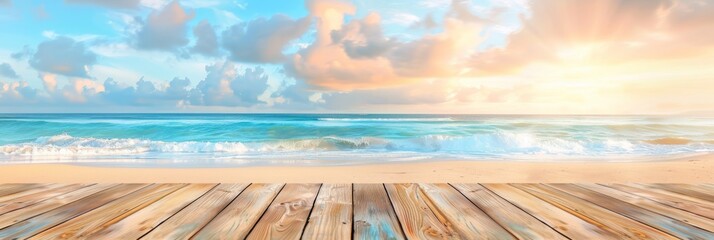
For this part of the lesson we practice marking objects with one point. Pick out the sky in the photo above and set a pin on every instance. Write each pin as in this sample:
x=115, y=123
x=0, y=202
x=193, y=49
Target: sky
x=361, y=56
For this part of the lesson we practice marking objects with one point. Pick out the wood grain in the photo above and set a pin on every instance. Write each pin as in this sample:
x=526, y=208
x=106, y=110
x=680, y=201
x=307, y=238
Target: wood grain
x=374, y=217
x=142, y=221
x=448, y=203
x=10, y=189
x=687, y=189
x=331, y=216
x=18, y=215
x=189, y=220
x=418, y=221
x=287, y=215
x=663, y=223
x=686, y=203
x=513, y=219
x=624, y=226
x=362, y=211
x=44, y=221
x=572, y=226
x=96, y=220
x=26, y=190
x=239, y=217
x=30, y=199
x=643, y=202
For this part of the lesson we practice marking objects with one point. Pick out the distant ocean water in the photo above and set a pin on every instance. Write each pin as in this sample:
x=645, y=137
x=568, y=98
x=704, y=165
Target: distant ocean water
x=197, y=139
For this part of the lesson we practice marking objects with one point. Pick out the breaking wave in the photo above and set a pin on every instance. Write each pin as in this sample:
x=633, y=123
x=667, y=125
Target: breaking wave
x=387, y=119
x=500, y=144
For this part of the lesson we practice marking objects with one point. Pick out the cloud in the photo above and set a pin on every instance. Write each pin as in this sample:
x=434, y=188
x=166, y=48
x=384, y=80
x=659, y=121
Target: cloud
x=165, y=29
x=427, y=22
x=5, y=3
x=19, y=91
x=19, y=55
x=357, y=55
x=363, y=38
x=224, y=85
x=145, y=93
x=206, y=39
x=263, y=40
x=120, y=4
x=325, y=64
x=63, y=56
x=7, y=71
x=612, y=31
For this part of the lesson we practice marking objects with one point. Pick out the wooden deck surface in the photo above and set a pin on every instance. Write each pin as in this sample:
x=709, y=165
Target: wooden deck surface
x=356, y=211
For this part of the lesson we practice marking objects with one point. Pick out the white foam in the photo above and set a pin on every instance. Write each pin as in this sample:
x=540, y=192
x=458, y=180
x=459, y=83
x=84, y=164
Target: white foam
x=386, y=119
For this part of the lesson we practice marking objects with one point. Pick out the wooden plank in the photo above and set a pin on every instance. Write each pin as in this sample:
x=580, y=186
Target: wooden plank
x=95, y=220
x=239, y=217
x=374, y=217
x=30, y=199
x=18, y=215
x=418, y=221
x=5, y=186
x=190, y=220
x=448, y=203
x=287, y=215
x=27, y=191
x=663, y=223
x=624, y=226
x=688, y=190
x=569, y=225
x=9, y=190
x=513, y=219
x=686, y=203
x=331, y=216
x=141, y=222
x=643, y=202
x=44, y=221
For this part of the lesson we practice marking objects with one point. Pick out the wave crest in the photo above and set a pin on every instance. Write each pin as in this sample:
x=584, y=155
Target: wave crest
x=503, y=144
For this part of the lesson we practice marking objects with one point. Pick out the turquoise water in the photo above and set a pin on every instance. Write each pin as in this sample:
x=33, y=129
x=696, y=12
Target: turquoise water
x=343, y=138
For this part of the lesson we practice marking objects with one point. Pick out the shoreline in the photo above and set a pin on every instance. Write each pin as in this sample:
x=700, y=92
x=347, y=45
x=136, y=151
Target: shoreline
x=693, y=169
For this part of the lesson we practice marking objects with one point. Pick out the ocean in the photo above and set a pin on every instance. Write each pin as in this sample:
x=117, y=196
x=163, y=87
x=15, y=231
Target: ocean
x=343, y=139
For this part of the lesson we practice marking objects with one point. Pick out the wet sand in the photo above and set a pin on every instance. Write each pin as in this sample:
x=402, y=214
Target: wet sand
x=698, y=169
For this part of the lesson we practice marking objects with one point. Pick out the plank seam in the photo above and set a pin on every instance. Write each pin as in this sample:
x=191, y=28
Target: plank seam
x=110, y=187
x=352, y=231
x=399, y=221
x=302, y=233
x=633, y=206
x=265, y=210
x=516, y=205
x=66, y=220
x=219, y=212
x=484, y=212
x=174, y=214
x=659, y=201
x=43, y=200
x=651, y=210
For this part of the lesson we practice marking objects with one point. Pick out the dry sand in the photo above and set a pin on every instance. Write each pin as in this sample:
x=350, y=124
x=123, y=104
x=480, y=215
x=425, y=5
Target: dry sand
x=698, y=169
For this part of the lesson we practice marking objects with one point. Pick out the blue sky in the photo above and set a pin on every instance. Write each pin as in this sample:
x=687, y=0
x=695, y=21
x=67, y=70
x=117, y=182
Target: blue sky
x=474, y=56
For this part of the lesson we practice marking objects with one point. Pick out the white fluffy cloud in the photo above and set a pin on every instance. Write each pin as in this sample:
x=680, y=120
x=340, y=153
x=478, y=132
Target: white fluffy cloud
x=7, y=71
x=63, y=56
x=263, y=40
x=206, y=39
x=18, y=91
x=145, y=93
x=224, y=85
x=165, y=29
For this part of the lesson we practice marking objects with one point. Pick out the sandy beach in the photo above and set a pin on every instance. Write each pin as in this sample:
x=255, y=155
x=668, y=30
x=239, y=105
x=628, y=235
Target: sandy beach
x=698, y=169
